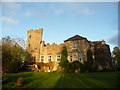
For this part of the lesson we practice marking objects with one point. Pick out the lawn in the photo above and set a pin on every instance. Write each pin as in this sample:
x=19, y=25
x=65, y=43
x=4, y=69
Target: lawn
x=65, y=80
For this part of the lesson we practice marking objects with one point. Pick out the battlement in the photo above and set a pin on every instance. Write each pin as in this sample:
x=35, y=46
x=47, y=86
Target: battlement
x=36, y=30
x=53, y=44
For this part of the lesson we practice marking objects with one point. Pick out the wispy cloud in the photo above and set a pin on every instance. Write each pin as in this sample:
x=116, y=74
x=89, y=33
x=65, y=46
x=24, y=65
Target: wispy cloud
x=8, y=20
x=6, y=29
x=71, y=9
x=11, y=5
x=11, y=8
x=81, y=9
x=28, y=13
x=58, y=12
x=114, y=40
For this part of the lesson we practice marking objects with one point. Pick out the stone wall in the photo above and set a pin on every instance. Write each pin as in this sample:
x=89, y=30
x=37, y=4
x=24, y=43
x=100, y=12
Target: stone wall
x=77, y=49
x=50, y=50
x=34, y=38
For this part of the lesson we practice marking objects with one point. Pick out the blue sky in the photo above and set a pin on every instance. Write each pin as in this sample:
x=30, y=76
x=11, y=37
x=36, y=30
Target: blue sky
x=61, y=20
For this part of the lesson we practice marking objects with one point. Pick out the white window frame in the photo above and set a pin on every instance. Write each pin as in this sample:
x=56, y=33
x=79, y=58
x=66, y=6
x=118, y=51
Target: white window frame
x=49, y=58
x=42, y=57
x=58, y=57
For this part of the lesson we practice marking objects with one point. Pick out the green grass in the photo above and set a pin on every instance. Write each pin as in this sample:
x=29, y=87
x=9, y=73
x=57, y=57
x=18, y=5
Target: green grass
x=65, y=80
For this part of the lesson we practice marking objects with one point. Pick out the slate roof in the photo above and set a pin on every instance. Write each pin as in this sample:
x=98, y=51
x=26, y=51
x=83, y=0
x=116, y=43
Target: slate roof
x=95, y=42
x=76, y=37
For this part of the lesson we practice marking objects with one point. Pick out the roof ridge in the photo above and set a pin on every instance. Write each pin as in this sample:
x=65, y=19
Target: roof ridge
x=75, y=37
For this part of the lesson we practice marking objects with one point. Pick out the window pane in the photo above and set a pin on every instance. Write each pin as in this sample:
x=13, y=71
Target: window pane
x=42, y=56
x=49, y=58
x=29, y=36
x=58, y=57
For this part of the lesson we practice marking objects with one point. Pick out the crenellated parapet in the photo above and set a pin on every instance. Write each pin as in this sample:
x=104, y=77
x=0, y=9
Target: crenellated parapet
x=35, y=31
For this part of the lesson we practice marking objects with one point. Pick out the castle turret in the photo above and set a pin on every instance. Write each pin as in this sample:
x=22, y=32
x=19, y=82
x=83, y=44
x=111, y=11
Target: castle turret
x=34, y=39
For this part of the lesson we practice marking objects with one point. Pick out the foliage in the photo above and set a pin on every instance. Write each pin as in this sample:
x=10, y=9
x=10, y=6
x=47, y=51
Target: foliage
x=90, y=64
x=28, y=60
x=75, y=66
x=64, y=62
x=13, y=56
x=89, y=57
x=102, y=57
x=116, y=56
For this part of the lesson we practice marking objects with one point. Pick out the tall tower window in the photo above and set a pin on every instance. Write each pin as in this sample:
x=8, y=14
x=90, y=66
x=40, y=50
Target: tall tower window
x=42, y=58
x=29, y=36
x=49, y=57
x=29, y=45
x=58, y=57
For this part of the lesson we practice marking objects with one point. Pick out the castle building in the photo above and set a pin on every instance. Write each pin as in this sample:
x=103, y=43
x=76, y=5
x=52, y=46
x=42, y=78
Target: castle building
x=77, y=47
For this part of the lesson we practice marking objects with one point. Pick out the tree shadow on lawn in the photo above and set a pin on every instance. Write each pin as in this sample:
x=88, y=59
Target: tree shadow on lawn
x=45, y=80
x=70, y=81
x=35, y=82
x=60, y=80
x=79, y=81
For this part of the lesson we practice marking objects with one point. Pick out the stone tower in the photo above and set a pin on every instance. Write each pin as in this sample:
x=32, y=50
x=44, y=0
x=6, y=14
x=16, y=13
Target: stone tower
x=34, y=39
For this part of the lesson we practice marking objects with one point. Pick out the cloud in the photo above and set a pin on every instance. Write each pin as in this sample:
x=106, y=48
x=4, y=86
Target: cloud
x=71, y=9
x=58, y=12
x=114, y=40
x=6, y=29
x=11, y=8
x=81, y=9
x=8, y=20
x=28, y=13
x=87, y=11
x=11, y=5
